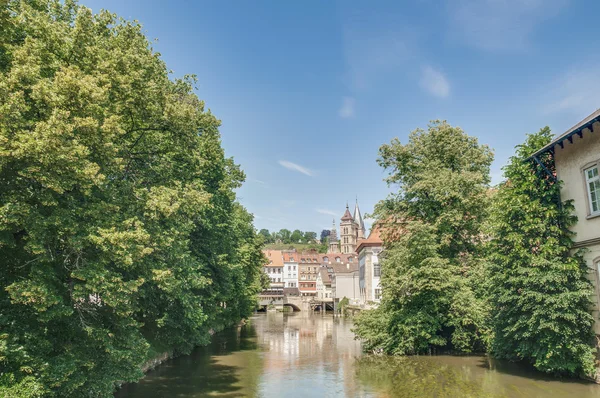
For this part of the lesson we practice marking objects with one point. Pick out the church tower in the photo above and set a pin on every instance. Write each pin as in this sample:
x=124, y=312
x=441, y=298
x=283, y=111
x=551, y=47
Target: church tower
x=360, y=225
x=334, y=246
x=348, y=232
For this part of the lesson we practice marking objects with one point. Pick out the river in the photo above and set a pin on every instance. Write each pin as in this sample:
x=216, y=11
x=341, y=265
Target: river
x=303, y=355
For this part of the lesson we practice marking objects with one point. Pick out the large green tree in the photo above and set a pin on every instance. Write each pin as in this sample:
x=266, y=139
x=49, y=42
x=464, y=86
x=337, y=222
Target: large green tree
x=538, y=286
x=120, y=233
x=432, y=267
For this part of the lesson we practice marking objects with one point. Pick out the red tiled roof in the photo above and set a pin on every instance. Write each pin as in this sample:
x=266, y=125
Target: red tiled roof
x=347, y=216
x=289, y=255
x=274, y=257
x=374, y=239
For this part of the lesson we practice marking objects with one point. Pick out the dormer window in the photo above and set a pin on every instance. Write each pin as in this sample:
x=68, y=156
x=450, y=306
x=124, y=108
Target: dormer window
x=337, y=259
x=325, y=259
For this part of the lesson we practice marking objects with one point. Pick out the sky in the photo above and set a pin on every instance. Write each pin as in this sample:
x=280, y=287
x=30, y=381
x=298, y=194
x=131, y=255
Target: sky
x=307, y=91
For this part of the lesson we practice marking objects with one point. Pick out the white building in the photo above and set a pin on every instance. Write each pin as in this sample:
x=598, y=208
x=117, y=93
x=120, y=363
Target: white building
x=290, y=268
x=344, y=281
x=324, y=292
x=369, y=269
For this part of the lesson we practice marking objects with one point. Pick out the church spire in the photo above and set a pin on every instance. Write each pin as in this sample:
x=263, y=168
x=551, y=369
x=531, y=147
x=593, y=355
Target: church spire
x=357, y=216
x=359, y=221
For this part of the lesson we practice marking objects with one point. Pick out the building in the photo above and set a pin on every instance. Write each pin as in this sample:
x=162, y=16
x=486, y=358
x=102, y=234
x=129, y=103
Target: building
x=324, y=285
x=369, y=270
x=577, y=160
x=309, y=266
x=274, y=269
x=344, y=281
x=352, y=231
x=290, y=268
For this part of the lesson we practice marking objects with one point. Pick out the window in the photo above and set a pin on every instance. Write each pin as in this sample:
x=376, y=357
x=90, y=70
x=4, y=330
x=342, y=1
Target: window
x=291, y=259
x=376, y=269
x=294, y=268
x=337, y=259
x=592, y=180
x=289, y=267
x=325, y=259
x=350, y=259
x=377, y=294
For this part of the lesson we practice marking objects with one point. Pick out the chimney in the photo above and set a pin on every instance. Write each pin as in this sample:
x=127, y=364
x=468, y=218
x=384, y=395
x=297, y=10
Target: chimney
x=348, y=266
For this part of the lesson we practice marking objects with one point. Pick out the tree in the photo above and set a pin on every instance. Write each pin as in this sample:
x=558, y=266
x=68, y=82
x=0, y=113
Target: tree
x=284, y=235
x=296, y=236
x=119, y=225
x=431, y=271
x=309, y=237
x=538, y=287
x=324, y=234
x=265, y=233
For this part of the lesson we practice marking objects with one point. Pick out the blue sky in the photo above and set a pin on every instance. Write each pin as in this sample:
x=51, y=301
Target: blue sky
x=307, y=91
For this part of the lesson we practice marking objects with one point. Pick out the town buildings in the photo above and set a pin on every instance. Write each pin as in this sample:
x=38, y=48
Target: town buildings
x=577, y=161
x=325, y=277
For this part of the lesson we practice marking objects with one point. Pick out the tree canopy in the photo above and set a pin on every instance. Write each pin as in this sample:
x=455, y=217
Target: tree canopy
x=430, y=273
x=538, y=286
x=120, y=233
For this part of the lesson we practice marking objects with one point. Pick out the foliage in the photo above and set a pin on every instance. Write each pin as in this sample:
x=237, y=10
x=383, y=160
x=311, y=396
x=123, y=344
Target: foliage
x=325, y=234
x=309, y=236
x=539, y=291
x=266, y=235
x=297, y=236
x=288, y=238
x=432, y=269
x=118, y=218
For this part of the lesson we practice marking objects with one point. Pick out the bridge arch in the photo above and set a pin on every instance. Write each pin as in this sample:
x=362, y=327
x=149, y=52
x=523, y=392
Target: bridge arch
x=294, y=307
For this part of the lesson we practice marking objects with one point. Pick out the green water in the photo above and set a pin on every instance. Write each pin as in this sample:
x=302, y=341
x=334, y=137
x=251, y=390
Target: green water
x=302, y=355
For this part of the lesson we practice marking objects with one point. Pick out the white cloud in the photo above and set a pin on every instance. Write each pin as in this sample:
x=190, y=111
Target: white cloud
x=258, y=181
x=576, y=92
x=296, y=167
x=435, y=82
x=347, y=109
x=500, y=25
x=328, y=212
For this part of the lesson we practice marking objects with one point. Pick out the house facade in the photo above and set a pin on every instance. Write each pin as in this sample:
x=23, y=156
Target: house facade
x=290, y=268
x=369, y=270
x=309, y=268
x=577, y=161
x=324, y=286
x=344, y=282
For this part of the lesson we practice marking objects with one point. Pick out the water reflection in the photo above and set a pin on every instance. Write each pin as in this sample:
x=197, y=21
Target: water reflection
x=299, y=355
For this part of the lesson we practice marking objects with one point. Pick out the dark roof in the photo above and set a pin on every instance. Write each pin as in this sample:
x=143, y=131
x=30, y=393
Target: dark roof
x=339, y=268
x=291, y=291
x=347, y=216
x=568, y=135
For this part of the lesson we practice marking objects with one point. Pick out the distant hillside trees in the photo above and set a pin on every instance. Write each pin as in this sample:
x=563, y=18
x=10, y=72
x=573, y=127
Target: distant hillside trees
x=287, y=237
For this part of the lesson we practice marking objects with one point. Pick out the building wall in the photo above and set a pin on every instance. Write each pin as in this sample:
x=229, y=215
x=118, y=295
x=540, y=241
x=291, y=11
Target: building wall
x=570, y=163
x=375, y=279
x=346, y=285
x=348, y=236
x=290, y=273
